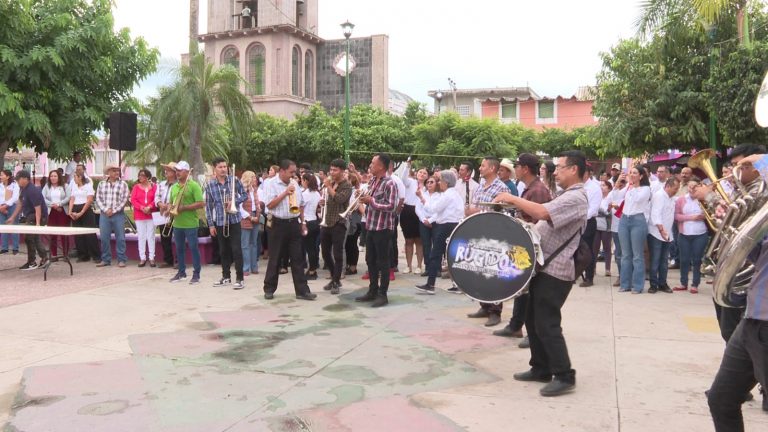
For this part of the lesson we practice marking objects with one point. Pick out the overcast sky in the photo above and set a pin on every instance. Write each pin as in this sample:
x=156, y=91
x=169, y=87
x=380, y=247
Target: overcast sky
x=551, y=45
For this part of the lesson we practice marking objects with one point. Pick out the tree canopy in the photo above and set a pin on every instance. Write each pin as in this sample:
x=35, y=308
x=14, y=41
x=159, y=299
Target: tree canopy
x=63, y=68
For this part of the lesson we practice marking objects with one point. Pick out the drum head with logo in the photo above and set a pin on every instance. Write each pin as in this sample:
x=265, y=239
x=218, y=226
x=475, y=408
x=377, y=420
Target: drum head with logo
x=491, y=257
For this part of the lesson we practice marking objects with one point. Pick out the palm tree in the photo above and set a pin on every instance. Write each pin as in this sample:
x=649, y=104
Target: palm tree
x=188, y=113
x=194, y=20
x=665, y=15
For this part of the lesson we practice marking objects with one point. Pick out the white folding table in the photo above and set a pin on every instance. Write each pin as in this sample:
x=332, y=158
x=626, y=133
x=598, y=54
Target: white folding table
x=48, y=231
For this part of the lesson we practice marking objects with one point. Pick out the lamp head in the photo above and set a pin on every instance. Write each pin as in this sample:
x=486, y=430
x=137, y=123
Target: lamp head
x=347, y=28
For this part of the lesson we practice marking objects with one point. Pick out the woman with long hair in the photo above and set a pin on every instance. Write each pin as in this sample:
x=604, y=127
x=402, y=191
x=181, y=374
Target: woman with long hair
x=351, y=248
x=615, y=198
x=693, y=237
x=603, y=234
x=426, y=192
x=633, y=231
x=311, y=197
x=250, y=210
x=56, y=195
x=81, y=213
x=9, y=198
x=547, y=175
x=143, y=203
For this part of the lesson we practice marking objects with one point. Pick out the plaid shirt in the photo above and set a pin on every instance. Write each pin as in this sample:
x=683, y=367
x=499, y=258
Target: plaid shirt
x=338, y=203
x=112, y=195
x=567, y=215
x=535, y=192
x=163, y=192
x=216, y=194
x=380, y=213
x=487, y=194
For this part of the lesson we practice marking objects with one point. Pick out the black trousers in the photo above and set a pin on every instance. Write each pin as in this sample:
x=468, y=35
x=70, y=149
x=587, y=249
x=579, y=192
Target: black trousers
x=519, y=312
x=393, y=245
x=309, y=243
x=230, y=250
x=285, y=240
x=440, y=233
x=727, y=319
x=87, y=245
x=745, y=362
x=377, y=256
x=589, y=237
x=167, y=245
x=351, y=248
x=549, y=354
x=34, y=242
x=332, y=245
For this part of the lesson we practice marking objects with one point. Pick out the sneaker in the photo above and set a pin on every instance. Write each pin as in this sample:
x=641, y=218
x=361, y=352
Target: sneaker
x=178, y=278
x=454, y=290
x=246, y=273
x=694, y=290
x=195, y=279
x=29, y=266
x=238, y=285
x=4, y=251
x=222, y=282
x=335, y=289
x=426, y=289
x=392, y=274
x=680, y=288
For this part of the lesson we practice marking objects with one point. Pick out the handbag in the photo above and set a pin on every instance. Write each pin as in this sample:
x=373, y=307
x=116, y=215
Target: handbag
x=582, y=256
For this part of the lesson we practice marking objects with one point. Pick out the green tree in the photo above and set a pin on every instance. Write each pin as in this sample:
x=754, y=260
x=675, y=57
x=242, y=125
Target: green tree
x=202, y=97
x=62, y=72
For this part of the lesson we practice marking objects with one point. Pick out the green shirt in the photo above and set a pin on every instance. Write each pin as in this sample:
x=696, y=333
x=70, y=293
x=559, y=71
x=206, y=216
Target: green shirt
x=193, y=194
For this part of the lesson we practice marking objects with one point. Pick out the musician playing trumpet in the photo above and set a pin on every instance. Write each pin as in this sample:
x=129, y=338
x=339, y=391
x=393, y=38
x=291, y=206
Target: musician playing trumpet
x=223, y=194
x=333, y=228
x=189, y=197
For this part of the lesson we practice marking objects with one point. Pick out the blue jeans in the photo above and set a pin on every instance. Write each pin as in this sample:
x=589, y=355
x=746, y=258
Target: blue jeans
x=7, y=238
x=249, y=243
x=617, y=251
x=633, y=231
x=182, y=236
x=440, y=234
x=659, y=250
x=107, y=226
x=426, y=242
x=691, y=249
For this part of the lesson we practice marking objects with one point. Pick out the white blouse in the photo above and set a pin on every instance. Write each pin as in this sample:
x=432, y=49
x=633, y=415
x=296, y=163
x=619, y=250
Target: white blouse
x=311, y=200
x=692, y=207
x=81, y=194
x=421, y=209
x=448, y=208
x=637, y=201
x=9, y=195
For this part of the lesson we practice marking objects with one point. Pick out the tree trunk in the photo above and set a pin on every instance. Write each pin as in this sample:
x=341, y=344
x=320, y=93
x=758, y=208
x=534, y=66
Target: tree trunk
x=195, y=149
x=4, y=143
x=194, y=18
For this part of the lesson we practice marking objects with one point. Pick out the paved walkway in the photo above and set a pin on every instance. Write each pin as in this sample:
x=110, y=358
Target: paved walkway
x=123, y=350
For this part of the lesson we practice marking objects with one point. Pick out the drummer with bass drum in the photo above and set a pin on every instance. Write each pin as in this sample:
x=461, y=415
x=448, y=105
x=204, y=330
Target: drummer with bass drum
x=561, y=222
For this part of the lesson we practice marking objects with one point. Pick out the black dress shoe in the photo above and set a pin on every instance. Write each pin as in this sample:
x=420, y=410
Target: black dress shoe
x=311, y=275
x=652, y=289
x=368, y=297
x=481, y=313
x=525, y=343
x=493, y=320
x=530, y=375
x=508, y=332
x=557, y=388
x=328, y=286
x=306, y=296
x=269, y=296
x=666, y=289
x=381, y=300
x=426, y=288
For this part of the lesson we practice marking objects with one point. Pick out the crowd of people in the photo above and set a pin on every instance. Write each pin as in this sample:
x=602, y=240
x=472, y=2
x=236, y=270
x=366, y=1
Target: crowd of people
x=647, y=221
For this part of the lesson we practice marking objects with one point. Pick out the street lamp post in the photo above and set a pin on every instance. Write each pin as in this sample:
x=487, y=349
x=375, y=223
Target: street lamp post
x=711, y=30
x=347, y=29
x=439, y=99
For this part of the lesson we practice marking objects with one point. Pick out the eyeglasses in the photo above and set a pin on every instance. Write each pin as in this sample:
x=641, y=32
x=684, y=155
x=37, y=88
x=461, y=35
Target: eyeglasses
x=431, y=182
x=562, y=167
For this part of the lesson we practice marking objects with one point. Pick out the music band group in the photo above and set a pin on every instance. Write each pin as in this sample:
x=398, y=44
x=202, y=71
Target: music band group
x=430, y=206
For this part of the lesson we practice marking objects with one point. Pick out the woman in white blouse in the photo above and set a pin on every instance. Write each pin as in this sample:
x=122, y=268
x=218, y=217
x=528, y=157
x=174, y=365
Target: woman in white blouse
x=615, y=198
x=693, y=237
x=633, y=231
x=446, y=212
x=56, y=195
x=250, y=210
x=81, y=213
x=426, y=192
x=604, y=216
x=311, y=198
x=9, y=197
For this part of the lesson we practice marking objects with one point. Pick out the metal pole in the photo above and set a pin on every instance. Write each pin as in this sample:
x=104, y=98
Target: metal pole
x=712, y=117
x=346, y=114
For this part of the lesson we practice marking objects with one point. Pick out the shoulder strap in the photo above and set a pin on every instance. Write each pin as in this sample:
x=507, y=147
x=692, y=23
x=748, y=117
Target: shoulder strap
x=560, y=249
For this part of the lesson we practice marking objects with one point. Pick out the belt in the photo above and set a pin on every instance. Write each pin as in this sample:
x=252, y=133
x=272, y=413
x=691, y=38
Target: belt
x=276, y=219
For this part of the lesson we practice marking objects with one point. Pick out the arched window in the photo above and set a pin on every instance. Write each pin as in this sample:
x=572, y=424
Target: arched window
x=308, y=74
x=231, y=56
x=257, y=69
x=296, y=71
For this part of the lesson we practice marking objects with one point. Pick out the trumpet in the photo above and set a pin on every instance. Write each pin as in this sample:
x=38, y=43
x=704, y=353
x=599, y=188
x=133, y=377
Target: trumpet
x=354, y=205
x=232, y=208
x=174, y=210
x=293, y=202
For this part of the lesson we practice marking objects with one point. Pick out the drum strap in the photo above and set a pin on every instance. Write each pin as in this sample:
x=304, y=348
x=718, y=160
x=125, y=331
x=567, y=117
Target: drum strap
x=560, y=249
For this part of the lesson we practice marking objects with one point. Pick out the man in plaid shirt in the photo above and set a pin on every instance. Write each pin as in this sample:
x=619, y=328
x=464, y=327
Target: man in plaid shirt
x=111, y=196
x=379, y=222
x=490, y=187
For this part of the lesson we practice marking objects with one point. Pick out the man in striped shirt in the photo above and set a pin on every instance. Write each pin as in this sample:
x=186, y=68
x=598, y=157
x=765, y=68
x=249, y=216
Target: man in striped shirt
x=380, y=221
x=218, y=200
x=111, y=196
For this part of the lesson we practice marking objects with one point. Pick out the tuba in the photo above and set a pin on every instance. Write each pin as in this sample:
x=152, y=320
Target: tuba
x=744, y=226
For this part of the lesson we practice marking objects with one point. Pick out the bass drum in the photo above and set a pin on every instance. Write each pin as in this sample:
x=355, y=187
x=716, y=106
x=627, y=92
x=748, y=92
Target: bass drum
x=491, y=257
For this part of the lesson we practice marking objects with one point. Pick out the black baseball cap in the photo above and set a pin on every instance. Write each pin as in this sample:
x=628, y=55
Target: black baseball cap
x=529, y=160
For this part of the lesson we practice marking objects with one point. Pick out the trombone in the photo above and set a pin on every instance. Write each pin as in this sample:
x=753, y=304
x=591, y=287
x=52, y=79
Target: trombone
x=173, y=211
x=232, y=208
x=354, y=205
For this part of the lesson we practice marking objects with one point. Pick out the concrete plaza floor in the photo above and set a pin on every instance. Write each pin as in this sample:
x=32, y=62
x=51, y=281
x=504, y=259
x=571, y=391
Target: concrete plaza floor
x=124, y=350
